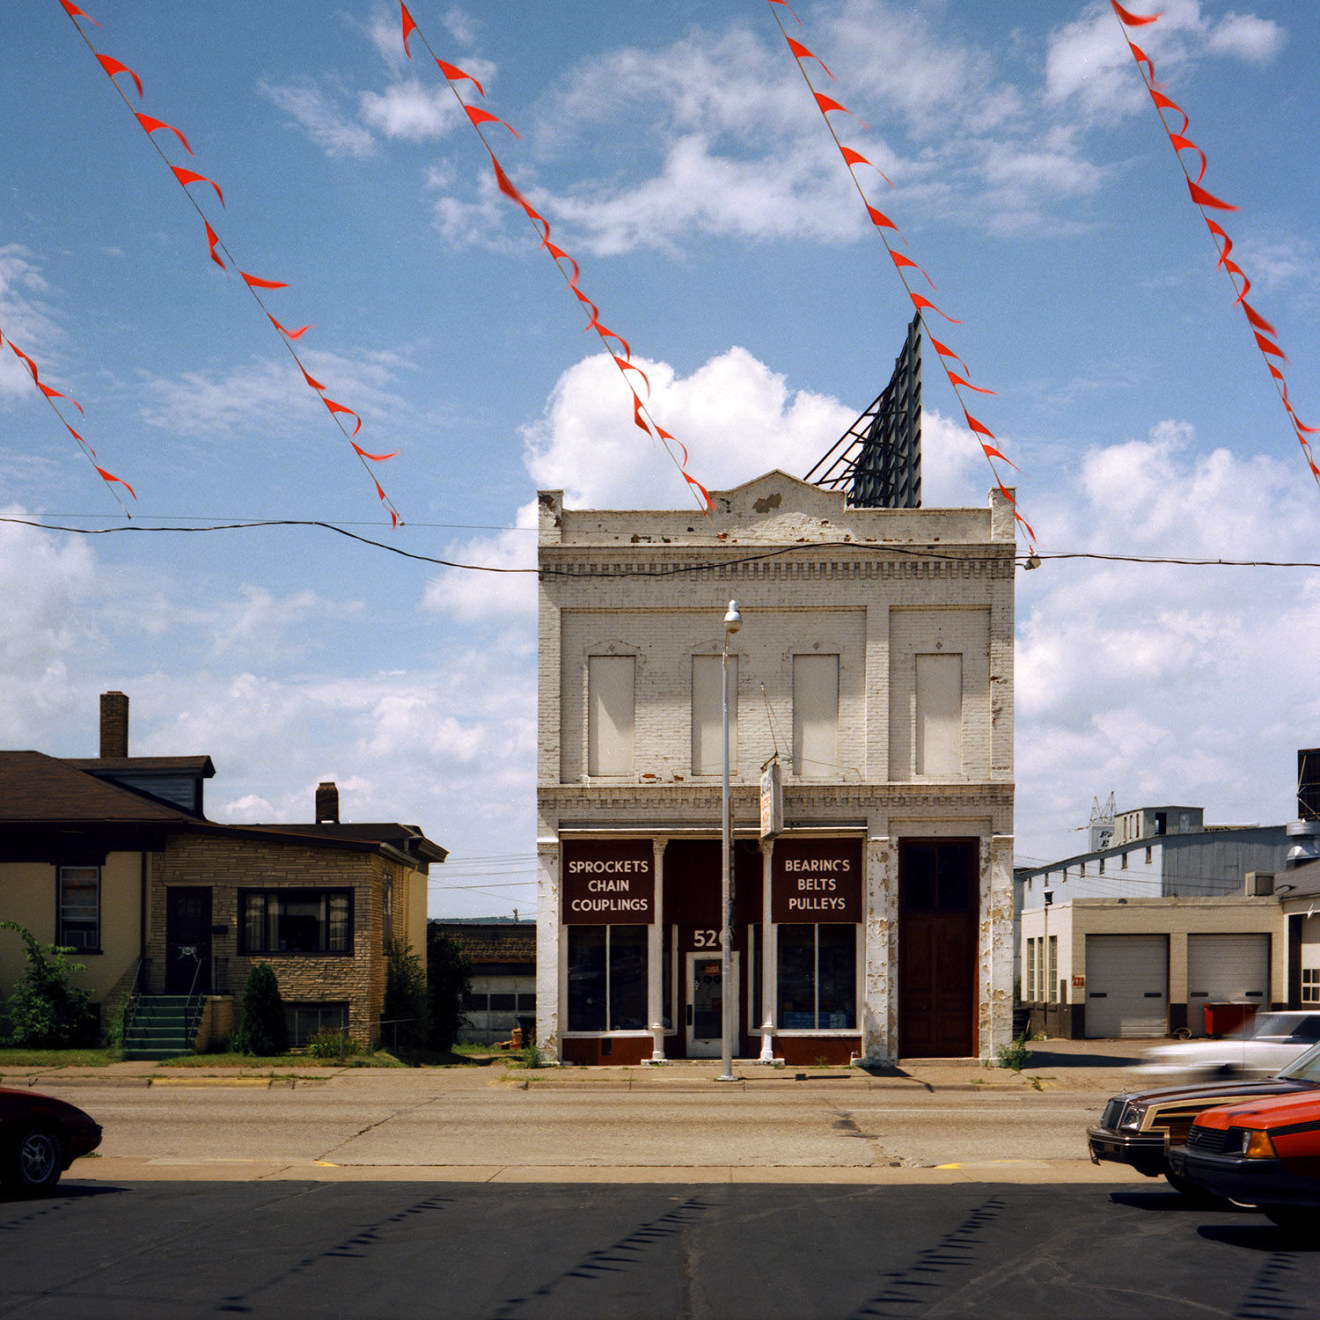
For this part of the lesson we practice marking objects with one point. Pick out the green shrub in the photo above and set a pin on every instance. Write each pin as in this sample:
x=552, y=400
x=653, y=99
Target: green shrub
x=262, y=1028
x=45, y=1011
x=1016, y=1055
x=406, y=1015
x=330, y=1043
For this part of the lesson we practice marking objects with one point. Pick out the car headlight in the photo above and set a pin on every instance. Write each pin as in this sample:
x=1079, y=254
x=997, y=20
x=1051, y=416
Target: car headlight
x=1253, y=1143
x=1132, y=1117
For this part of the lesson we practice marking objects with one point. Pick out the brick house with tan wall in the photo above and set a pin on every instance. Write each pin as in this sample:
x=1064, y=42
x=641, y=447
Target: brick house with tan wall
x=114, y=857
x=875, y=664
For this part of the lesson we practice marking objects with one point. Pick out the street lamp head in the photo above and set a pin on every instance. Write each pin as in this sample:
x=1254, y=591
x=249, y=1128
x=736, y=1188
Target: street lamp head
x=732, y=620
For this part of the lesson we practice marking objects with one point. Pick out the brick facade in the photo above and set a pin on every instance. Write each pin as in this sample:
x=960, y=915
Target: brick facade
x=874, y=588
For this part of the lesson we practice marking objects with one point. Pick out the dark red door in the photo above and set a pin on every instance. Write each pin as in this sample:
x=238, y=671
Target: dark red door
x=938, y=917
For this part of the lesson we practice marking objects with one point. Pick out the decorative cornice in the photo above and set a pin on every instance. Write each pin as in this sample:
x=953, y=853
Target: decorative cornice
x=701, y=564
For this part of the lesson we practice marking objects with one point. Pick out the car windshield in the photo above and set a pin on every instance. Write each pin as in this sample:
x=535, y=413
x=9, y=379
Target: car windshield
x=1304, y=1069
x=1280, y=1026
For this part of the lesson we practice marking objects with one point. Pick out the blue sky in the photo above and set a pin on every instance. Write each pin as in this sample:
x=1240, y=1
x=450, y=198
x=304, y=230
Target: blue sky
x=676, y=153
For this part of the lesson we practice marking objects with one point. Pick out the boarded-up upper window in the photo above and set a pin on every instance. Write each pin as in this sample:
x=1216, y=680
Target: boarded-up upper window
x=816, y=716
x=708, y=714
x=939, y=715
x=610, y=710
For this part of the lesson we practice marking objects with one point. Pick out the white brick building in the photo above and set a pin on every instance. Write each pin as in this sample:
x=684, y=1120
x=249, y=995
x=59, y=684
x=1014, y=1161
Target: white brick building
x=876, y=659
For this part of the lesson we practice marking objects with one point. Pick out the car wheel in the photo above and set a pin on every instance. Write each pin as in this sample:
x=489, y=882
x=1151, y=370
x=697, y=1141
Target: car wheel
x=1294, y=1218
x=1191, y=1191
x=35, y=1161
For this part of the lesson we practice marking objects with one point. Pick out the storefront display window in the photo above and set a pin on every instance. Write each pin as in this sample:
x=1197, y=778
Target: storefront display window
x=817, y=977
x=607, y=978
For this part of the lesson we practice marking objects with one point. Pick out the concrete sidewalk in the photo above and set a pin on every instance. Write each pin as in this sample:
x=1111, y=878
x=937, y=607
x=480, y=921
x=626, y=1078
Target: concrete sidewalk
x=1056, y=1065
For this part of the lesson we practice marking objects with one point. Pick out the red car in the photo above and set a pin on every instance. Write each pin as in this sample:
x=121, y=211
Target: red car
x=1262, y=1153
x=40, y=1137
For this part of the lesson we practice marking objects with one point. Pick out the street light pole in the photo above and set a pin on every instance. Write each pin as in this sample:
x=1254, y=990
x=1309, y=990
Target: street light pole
x=728, y=991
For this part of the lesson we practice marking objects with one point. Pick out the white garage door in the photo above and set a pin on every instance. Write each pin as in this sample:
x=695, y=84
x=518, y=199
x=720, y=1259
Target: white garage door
x=1226, y=969
x=1127, y=985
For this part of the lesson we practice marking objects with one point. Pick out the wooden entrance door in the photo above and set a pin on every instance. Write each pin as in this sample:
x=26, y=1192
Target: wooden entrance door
x=187, y=941
x=938, y=918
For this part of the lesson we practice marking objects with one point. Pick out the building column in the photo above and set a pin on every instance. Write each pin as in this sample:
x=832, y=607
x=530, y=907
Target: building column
x=995, y=1015
x=655, y=955
x=769, y=967
x=549, y=927
x=880, y=939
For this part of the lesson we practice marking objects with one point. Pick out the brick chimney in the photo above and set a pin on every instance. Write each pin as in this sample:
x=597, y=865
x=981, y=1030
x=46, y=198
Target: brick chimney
x=114, y=724
x=327, y=803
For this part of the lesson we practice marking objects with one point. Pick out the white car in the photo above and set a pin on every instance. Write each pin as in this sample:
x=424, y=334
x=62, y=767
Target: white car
x=1267, y=1043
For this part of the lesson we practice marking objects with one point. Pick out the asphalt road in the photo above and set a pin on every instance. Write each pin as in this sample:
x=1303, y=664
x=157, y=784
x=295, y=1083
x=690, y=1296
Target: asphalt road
x=477, y=1124
x=550, y=1251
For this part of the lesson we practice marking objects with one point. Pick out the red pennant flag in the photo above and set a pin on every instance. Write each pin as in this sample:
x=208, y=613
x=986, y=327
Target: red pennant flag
x=52, y=393
x=976, y=426
x=74, y=12
x=856, y=158
x=582, y=298
x=706, y=502
x=288, y=334
x=880, y=220
x=921, y=303
x=803, y=53
x=1142, y=58
x=606, y=333
x=255, y=282
x=375, y=458
x=455, y=74
x=110, y=476
x=339, y=408
x=112, y=66
x=1265, y=346
x=408, y=26
x=560, y=255
x=625, y=365
x=1217, y=229
x=901, y=261
x=510, y=190
x=478, y=116
x=1132, y=20
x=315, y=384
x=212, y=240
x=828, y=103
x=1181, y=143
x=956, y=380
x=151, y=124
x=992, y=452
x=185, y=177
x=32, y=366
x=944, y=351
x=1203, y=198
x=1257, y=319
x=637, y=416
x=1164, y=103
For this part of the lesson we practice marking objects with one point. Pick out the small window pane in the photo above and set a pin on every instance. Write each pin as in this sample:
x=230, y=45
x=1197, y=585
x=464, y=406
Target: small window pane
x=627, y=978
x=586, y=978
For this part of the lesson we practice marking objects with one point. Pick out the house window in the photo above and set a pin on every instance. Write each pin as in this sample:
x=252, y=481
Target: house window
x=387, y=911
x=296, y=920
x=708, y=714
x=79, y=907
x=1124, y=866
x=1102, y=866
x=607, y=978
x=818, y=977
x=307, y=1020
x=1311, y=985
x=1052, y=971
x=611, y=705
x=1148, y=856
x=816, y=716
x=1031, y=972
x=939, y=715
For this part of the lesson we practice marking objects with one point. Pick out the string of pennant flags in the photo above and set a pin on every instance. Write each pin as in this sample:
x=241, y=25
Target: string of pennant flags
x=186, y=177
x=618, y=348
x=903, y=264
x=1266, y=338
x=1190, y=156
